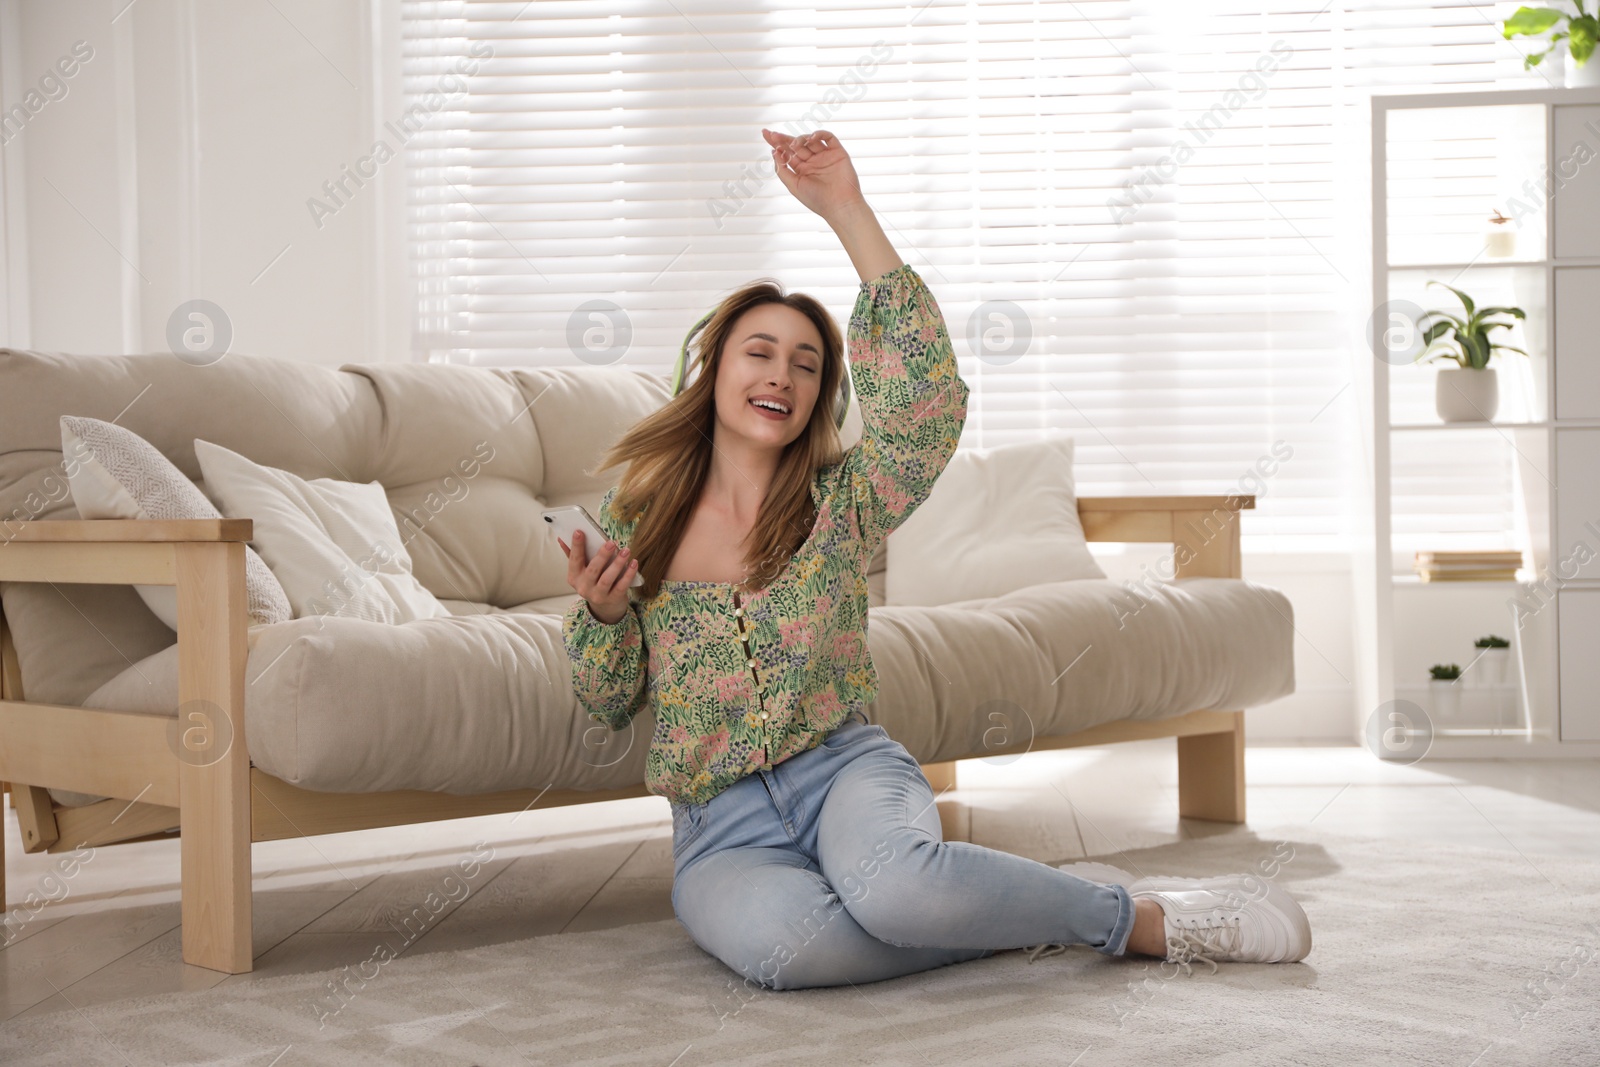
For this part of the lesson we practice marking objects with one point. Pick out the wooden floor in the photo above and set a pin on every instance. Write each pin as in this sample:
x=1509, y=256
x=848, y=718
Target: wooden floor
x=111, y=929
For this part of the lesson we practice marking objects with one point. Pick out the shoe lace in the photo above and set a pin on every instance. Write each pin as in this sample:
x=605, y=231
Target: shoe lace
x=1036, y=952
x=1204, y=939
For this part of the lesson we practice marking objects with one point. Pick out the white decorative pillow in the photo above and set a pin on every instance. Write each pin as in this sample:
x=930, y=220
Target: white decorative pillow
x=333, y=545
x=998, y=519
x=116, y=474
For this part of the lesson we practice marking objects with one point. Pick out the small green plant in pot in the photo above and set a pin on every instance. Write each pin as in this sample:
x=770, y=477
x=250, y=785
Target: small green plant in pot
x=1469, y=391
x=1580, y=31
x=1492, y=665
x=1444, y=691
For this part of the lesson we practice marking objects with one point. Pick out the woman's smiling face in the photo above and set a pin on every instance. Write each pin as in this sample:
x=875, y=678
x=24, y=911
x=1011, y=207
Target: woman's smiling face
x=773, y=353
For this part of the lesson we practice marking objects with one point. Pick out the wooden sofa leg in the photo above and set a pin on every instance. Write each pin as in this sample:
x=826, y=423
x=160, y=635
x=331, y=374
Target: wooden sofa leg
x=36, y=817
x=1211, y=774
x=213, y=760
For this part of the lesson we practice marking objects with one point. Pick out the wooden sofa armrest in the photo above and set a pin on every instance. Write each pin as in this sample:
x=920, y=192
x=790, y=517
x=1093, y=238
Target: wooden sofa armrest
x=201, y=765
x=129, y=530
x=110, y=551
x=1203, y=530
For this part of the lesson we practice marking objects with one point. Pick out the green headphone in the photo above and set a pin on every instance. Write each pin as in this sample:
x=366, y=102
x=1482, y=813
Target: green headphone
x=680, y=372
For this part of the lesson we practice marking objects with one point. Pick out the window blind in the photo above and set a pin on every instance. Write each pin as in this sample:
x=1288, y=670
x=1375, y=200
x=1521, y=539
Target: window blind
x=1143, y=221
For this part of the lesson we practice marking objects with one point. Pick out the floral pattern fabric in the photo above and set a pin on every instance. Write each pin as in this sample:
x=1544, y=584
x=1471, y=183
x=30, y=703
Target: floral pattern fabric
x=721, y=714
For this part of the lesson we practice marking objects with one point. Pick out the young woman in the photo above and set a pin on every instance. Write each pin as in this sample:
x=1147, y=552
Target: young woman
x=807, y=848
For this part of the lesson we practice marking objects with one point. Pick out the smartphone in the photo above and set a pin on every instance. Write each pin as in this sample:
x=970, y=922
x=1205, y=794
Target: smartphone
x=563, y=521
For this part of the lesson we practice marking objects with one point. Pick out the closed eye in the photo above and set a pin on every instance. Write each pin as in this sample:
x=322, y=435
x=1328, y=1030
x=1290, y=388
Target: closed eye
x=802, y=366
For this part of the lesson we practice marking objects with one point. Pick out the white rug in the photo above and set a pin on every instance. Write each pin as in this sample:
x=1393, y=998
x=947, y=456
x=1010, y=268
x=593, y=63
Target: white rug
x=1422, y=955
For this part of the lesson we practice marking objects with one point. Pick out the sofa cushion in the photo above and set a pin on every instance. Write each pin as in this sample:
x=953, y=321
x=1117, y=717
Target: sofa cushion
x=332, y=544
x=469, y=703
x=1008, y=515
x=116, y=474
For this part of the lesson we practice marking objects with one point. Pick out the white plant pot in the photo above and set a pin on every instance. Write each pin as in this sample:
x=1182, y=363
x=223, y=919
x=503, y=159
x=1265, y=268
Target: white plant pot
x=1499, y=242
x=1584, y=77
x=1492, y=667
x=1444, y=699
x=1466, y=394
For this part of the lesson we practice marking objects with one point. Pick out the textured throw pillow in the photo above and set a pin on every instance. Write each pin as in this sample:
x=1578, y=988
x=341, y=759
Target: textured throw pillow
x=997, y=520
x=333, y=545
x=116, y=474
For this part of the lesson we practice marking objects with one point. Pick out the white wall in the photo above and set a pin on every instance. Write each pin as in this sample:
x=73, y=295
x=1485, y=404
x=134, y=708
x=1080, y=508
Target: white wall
x=178, y=165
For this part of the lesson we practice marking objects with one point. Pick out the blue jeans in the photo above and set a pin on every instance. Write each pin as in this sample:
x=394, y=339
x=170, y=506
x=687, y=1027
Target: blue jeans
x=830, y=868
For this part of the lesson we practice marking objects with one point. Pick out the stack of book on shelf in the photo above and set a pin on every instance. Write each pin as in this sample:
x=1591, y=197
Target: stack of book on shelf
x=1491, y=566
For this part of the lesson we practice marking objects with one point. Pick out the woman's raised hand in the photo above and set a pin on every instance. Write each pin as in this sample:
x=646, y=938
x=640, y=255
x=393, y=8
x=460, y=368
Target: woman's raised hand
x=604, y=582
x=816, y=169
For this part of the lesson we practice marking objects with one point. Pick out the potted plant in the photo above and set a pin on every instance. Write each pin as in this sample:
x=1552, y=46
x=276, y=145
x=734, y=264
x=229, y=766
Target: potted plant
x=1493, y=661
x=1579, y=31
x=1444, y=691
x=1467, y=392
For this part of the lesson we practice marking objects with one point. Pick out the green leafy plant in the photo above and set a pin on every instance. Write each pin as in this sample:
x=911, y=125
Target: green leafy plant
x=1470, y=346
x=1445, y=672
x=1491, y=641
x=1580, y=32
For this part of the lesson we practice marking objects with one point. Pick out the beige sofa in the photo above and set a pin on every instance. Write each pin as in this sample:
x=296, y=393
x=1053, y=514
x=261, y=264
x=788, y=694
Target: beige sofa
x=341, y=723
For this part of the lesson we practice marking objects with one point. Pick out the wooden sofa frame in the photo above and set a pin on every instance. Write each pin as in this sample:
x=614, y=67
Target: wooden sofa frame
x=223, y=804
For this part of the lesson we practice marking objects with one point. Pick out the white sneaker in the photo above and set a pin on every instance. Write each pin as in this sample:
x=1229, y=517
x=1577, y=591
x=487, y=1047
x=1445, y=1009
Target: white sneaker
x=1236, y=918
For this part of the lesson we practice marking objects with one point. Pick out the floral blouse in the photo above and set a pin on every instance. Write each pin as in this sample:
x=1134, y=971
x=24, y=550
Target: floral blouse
x=740, y=682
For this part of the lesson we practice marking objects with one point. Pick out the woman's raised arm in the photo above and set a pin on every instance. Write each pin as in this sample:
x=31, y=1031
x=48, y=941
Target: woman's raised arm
x=817, y=170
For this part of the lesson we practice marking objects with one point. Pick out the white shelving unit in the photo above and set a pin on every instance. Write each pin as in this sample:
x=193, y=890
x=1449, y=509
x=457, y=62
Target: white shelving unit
x=1441, y=162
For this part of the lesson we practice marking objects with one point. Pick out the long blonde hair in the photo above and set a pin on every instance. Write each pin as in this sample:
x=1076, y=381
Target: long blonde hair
x=668, y=453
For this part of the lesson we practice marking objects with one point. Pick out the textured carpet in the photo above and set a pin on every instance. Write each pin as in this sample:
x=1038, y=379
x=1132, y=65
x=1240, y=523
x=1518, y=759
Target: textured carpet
x=1422, y=955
